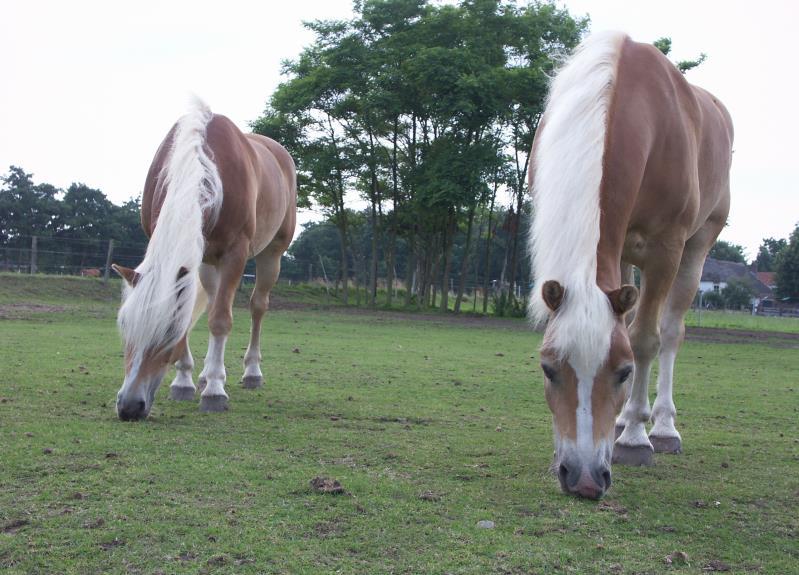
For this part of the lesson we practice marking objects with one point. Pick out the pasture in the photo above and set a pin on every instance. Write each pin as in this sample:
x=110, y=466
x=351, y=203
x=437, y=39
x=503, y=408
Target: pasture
x=430, y=423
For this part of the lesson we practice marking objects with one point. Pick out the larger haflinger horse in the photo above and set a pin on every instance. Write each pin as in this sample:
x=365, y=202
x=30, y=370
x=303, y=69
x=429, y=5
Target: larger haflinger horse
x=213, y=198
x=630, y=167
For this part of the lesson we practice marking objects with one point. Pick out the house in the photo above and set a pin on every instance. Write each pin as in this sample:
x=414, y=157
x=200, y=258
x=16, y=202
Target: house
x=717, y=273
x=768, y=278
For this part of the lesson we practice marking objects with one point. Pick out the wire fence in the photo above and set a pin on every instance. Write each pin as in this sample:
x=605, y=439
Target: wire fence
x=67, y=256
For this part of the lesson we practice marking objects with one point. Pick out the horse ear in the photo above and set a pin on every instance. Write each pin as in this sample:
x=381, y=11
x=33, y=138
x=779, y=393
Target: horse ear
x=129, y=275
x=552, y=292
x=623, y=299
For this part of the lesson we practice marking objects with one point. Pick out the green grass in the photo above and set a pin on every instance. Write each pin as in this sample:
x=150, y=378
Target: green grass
x=392, y=406
x=742, y=320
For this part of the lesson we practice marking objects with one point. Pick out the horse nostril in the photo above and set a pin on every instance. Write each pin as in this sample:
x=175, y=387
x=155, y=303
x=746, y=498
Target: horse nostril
x=133, y=412
x=563, y=472
x=606, y=478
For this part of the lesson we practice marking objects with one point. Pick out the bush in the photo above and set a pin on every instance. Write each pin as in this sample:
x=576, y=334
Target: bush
x=509, y=306
x=736, y=294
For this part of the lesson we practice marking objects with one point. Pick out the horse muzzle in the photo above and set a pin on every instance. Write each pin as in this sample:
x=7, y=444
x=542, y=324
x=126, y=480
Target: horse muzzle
x=590, y=482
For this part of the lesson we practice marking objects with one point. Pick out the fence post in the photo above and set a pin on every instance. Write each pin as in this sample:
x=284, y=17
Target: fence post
x=108, y=257
x=33, y=254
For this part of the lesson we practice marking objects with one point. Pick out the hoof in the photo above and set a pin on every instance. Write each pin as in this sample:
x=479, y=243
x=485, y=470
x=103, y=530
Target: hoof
x=252, y=381
x=632, y=455
x=619, y=429
x=182, y=393
x=201, y=383
x=213, y=404
x=666, y=444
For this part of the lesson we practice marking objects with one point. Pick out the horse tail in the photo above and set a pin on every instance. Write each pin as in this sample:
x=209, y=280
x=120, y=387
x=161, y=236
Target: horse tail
x=158, y=312
x=566, y=173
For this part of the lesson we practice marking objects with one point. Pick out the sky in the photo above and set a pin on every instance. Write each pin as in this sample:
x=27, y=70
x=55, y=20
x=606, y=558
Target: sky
x=90, y=88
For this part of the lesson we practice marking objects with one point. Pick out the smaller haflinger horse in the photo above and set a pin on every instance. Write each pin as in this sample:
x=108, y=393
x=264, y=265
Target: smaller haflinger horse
x=213, y=198
x=630, y=167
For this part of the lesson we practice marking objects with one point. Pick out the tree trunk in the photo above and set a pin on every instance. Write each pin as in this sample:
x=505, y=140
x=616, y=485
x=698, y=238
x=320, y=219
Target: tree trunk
x=465, y=259
x=449, y=237
x=392, y=232
x=487, y=273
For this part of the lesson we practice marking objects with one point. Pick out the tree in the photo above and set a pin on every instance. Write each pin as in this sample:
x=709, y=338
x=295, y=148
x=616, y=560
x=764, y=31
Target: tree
x=26, y=209
x=664, y=45
x=787, y=268
x=726, y=251
x=736, y=294
x=768, y=252
x=412, y=105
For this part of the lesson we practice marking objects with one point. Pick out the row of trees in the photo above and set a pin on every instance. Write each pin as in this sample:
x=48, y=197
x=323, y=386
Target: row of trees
x=426, y=113
x=79, y=212
x=72, y=226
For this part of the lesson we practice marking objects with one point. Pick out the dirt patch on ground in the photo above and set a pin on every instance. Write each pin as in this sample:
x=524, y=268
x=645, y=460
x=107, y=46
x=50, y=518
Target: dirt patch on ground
x=741, y=336
x=25, y=310
x=699, y=334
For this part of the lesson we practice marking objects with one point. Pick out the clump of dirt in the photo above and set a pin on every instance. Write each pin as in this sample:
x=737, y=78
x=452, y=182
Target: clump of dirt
x=716, y=565
x=95, y=524
x=429, y=496
x=327, y=485
x=609, y=505
x=14, y=526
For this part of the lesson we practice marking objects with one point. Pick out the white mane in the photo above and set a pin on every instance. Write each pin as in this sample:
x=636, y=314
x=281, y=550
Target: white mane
x=566, y=183
x=158, y=311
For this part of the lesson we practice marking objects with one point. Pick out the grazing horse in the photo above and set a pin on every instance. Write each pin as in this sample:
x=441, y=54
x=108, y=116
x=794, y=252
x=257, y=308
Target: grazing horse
x=630, y=167
x=213, y=198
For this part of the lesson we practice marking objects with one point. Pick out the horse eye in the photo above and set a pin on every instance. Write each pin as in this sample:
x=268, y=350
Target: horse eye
x=624, y=373
x=549, y=372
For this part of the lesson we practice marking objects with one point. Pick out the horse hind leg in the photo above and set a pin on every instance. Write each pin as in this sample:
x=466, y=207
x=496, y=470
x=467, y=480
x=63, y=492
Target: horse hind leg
x=664, y=435
x=267, y=265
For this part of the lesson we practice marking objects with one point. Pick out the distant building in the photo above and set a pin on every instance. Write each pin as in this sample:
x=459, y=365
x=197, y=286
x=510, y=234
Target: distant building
x=717, y=273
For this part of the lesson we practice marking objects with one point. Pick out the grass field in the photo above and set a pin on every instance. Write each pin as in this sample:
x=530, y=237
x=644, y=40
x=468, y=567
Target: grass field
x=429, y=423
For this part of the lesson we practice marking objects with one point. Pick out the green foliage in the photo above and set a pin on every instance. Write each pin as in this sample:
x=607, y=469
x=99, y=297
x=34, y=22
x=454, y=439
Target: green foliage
x=787, y=268
x=768, y=252
x=713, y=300
x=737, y=294
x=506, y=305
x=80, y=212
x=722, y=250
x=416, y=104
x=664, y=45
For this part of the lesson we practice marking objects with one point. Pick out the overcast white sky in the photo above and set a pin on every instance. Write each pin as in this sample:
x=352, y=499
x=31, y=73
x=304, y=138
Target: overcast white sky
x=89, y=88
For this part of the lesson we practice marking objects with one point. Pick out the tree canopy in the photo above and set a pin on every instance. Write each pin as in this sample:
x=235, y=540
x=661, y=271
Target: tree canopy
x=422, y=112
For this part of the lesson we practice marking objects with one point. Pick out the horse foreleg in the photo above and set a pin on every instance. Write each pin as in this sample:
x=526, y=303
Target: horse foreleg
x=267, y=265
x=632, y=446
x=220, y=322
x=209, y=279
x=182, y=387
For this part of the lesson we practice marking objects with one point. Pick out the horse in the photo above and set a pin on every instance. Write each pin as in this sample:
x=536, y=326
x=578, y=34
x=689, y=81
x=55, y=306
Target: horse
x=629, y=167
x=213, y=198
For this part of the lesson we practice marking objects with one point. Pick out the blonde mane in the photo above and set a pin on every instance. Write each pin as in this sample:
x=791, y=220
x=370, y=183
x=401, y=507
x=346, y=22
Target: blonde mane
x=158, y=311
x=567, y=173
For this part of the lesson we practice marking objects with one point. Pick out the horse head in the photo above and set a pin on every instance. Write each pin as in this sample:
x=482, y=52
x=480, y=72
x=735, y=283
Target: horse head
x=154, y=328
x=586, y=359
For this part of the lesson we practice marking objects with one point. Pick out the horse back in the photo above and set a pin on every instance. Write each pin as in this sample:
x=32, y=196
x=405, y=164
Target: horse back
x=667, y=152
x=258, y=183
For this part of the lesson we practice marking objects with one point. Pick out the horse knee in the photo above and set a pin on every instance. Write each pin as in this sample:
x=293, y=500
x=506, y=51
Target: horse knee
x=645, y=345
x=220, y=324
x=259, y=304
